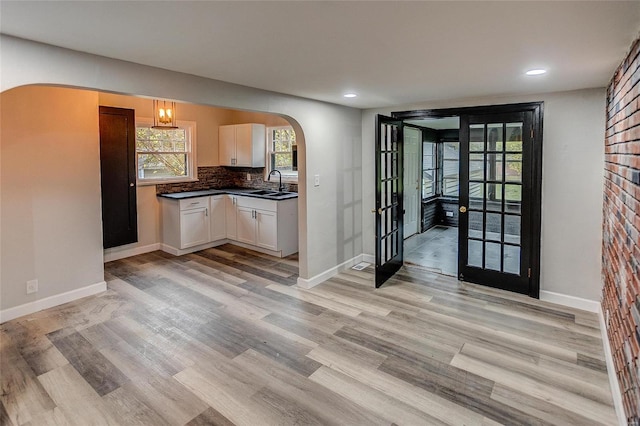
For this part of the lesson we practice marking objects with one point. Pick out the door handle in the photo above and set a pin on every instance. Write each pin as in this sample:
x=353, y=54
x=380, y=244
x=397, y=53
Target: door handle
x=131, y=184
x=379, y=211
x=463, y=209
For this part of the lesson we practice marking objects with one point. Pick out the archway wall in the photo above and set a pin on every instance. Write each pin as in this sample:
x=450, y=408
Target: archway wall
x=330, y=146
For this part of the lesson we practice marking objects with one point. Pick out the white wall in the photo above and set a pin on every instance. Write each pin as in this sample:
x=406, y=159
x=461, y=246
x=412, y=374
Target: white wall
x=329, y=140
x=572, y=185
x=50, y=188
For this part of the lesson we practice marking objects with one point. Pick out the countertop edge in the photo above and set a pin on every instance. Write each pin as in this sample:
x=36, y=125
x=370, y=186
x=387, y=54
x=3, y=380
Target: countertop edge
x=208, y=192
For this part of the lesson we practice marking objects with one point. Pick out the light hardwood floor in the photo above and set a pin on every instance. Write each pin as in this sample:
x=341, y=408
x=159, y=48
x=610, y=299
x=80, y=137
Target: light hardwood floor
x=223, y=336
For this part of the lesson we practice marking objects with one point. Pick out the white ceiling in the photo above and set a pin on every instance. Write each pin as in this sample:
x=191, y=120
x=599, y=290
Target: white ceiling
x=389, y=52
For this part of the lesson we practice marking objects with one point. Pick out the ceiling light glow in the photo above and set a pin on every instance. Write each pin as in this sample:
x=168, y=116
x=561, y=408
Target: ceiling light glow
x=538, y=71
x=350, y=95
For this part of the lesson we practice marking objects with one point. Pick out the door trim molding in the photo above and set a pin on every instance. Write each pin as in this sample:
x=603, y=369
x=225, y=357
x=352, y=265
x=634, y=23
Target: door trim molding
x=537, y=109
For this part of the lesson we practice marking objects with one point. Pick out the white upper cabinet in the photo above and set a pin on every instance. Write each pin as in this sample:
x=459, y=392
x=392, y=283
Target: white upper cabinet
x=242, y=145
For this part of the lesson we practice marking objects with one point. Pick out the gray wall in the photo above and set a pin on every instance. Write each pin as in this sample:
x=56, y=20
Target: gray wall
x=330, y=144
x=573, y=155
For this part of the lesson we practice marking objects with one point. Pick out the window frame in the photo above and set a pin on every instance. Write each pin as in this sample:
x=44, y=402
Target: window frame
x=288, y=177
x=441, y=165
x=190, y=142
x=435, y=169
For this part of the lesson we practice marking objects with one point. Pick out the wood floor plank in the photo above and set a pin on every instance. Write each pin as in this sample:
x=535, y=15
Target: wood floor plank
x=386, y=407
x=310, y=397
x=593, y=410
x=23, y=396
x=307, y=296
x=431, y=404
x=210, y=417
x=224, y=336
x=130, y=410
x=538, y=408
x=98, y=371
x=67, y=387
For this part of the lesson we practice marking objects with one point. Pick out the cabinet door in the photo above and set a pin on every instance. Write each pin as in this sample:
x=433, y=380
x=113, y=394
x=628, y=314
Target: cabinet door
x=267, y=229
x=217, y=215
x=194, y=227
x=246, y=225
x=244, y=145
x=230, y=217
x=227, y=145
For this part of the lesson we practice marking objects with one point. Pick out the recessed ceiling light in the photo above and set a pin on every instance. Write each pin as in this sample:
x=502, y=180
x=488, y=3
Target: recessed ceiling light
x=350, y=95
x=538, y=71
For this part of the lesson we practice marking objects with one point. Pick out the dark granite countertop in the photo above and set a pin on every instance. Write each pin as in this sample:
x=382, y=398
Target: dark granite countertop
x=249, y=192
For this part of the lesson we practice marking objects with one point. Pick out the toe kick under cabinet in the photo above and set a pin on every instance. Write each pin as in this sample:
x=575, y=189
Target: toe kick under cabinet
x=263, y=225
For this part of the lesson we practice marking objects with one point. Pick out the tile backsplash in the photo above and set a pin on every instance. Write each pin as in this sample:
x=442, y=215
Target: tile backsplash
x=226, y=177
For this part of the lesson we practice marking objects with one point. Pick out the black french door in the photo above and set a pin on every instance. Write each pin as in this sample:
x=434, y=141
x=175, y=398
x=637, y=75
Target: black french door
x=389, y=192
x=496, y=200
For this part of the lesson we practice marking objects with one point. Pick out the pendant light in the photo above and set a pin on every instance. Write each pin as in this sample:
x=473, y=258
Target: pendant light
x=164, y=115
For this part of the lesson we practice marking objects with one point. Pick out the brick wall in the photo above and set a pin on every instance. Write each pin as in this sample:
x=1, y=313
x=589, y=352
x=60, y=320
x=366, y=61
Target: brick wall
x=621, y=233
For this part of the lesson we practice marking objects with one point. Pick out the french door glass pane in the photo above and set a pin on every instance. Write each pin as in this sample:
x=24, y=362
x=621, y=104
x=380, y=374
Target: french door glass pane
x=476, y=166
x=476, y=137
x=476, y=224
x=493, y=197
x=512, y=259
x=494, y=167
x=494, y=137
x=492, y=256
x=475, y=253
x=514, y=168
x=476, y=194
x=494, y=226
x=512, y=229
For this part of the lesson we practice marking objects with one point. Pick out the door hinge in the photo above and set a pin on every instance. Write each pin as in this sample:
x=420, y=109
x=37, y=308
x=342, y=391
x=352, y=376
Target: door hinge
x=529, y=273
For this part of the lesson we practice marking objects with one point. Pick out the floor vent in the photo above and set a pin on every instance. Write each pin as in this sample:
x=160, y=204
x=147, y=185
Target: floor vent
x=360, y=266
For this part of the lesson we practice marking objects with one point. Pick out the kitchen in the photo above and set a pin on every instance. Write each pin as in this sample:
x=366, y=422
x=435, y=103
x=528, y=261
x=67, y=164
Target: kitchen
x=225, y=200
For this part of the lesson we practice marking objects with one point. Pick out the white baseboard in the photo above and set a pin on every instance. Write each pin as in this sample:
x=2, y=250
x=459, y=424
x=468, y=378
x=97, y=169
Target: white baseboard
x=51, y=301
x=323, y=276
x=570, y=301
x=611, y=370
x=179, y=252
x=117, y=254
x=369, y=258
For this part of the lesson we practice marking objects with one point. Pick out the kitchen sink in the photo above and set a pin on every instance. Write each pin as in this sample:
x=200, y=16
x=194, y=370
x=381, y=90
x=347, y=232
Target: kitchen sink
x=264, y=192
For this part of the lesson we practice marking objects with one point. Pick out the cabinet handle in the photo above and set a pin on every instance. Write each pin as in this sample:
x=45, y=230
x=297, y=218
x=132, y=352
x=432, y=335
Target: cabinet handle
x=206, y=212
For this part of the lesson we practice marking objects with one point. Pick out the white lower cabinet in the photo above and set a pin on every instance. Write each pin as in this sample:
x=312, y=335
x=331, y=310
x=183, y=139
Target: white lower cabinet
x=218, y=227
x=231, y=216
x=268, y=224
x=194, y=227
x=258, y=227
x=196, y=223
x=245, y=225
x=267, y=229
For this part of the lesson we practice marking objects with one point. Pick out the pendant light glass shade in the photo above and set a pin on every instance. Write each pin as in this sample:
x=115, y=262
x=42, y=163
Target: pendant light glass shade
x=164, y=115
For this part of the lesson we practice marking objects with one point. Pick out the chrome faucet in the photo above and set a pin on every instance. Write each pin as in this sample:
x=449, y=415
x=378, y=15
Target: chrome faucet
x=280, y=187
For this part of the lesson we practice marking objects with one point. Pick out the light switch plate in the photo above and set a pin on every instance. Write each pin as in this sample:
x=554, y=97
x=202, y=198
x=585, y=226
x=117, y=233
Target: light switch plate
x=316, y=180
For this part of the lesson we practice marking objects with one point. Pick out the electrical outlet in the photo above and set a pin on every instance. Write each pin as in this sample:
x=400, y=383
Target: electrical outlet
x=316, y=180
x=248, y=176
x=32, y=286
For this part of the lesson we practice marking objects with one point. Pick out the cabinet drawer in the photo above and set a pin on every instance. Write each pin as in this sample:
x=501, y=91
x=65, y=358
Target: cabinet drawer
x=258, y=203
x=194, y=203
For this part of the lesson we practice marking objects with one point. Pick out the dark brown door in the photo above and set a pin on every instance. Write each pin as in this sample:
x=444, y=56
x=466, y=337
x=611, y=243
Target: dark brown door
x=496, y=196
x=118, y=176
x=389, y=192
